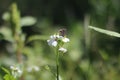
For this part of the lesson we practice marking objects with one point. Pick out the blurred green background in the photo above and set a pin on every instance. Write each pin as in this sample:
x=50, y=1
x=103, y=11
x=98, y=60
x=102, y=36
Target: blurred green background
x=91, y=55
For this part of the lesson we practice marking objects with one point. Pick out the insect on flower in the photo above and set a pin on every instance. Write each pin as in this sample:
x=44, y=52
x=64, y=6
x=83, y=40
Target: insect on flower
x=53, y=41
x=62, y=32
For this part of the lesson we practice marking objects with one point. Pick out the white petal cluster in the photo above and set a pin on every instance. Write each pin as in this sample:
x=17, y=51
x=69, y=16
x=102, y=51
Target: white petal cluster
x=63, y=50
x=58, y=40
x=16, y=71
x=33, y=68
x=53, y=41
x=65, y=40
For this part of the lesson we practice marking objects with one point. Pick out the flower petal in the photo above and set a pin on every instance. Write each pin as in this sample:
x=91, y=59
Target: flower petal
x=54, y=43
x=62, y=49
x=65, y=40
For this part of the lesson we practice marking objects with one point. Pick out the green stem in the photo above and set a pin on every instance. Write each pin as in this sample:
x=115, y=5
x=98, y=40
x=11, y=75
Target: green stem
x=57, y=63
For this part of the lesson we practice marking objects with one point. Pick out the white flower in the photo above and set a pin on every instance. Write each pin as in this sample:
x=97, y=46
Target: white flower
x=53, y=40
x=16, y=71
x=65, y=40
x=36, y=68
x=55, y=36
x=62, y=49
x=33, y=68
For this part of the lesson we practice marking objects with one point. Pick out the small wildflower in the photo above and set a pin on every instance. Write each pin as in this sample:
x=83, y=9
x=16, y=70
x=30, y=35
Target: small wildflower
x=36, y=68
x=58, y=40
x=62, y=50
x=52, y=42
x=16, y=71
x=33, y=68
x=65, y=40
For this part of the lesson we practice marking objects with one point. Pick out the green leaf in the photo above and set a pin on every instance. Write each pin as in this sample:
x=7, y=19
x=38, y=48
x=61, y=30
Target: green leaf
x=104, y=55
x=7, y=34
x=6, y=16
x=6, y=77
x=28, y=21
x=9, y=77
x=1, y=36
x=37, y=37
x=5, y=70
x=108, y=32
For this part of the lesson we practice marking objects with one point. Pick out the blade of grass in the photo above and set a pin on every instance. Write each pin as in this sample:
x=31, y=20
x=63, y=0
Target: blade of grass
x=37, y=37
x=107, y=32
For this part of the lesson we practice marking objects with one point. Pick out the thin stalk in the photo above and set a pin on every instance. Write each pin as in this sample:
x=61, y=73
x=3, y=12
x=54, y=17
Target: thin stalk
x=87, y=40
x=19, y=45
x=57, y=63
x=16, y=32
